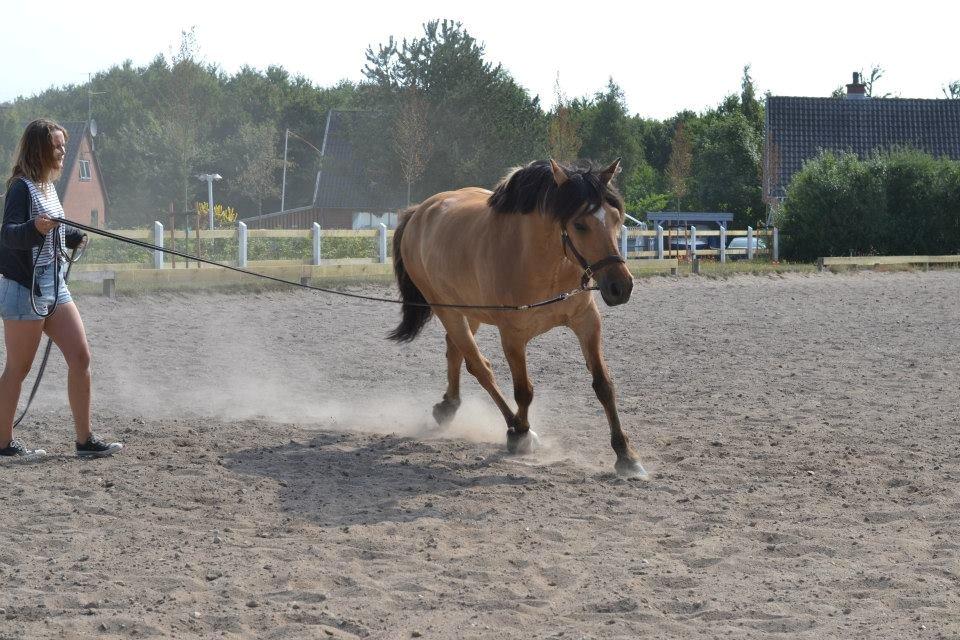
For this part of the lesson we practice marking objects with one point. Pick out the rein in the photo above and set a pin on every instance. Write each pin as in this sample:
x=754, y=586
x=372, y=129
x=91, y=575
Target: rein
x=589, y=271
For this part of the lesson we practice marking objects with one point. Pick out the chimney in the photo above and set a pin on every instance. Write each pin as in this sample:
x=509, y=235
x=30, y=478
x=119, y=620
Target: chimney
x=856, y=90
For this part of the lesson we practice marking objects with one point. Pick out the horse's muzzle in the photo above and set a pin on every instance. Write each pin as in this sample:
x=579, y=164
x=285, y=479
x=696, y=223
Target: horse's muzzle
x=616, y=290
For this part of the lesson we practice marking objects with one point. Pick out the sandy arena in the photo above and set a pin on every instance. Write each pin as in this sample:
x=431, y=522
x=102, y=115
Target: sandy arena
x=283, y=478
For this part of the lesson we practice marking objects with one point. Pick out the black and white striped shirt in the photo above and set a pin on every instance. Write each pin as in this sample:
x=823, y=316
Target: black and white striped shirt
x=44, y=200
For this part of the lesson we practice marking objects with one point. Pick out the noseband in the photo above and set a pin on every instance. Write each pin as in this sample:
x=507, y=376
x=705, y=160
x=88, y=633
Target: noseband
x=589, y=270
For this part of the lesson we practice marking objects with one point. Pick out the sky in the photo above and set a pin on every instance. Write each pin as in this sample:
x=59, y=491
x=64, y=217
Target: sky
x=666, y=56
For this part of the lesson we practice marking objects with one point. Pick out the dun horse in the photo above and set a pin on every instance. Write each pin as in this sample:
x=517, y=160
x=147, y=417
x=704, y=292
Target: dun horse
x=545, y=229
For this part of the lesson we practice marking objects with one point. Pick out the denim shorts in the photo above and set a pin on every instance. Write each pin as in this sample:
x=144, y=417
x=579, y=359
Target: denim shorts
x=15, y=298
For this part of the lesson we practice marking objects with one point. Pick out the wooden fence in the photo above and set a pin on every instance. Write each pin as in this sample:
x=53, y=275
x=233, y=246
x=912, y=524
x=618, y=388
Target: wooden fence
x=636, y=243
x=872, y=262
x=646, y=251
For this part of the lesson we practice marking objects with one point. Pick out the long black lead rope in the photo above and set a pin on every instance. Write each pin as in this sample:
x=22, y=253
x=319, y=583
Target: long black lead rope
x=491, y=307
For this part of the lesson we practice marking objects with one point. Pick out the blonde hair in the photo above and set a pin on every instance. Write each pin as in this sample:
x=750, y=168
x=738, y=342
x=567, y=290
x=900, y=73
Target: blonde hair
x=35, y=157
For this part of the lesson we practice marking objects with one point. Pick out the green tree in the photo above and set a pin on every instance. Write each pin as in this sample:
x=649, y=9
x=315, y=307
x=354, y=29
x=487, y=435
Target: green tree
x=482, y=122
x=563, y=135
x=679, y=166
x=727, y=170
x=258, y=164
x=608, y=131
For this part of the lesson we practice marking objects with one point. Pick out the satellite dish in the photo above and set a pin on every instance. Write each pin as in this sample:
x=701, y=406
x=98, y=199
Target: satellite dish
x=93, y=128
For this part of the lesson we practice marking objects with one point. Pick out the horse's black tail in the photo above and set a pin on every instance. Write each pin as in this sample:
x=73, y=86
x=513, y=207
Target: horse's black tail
x=415, y=317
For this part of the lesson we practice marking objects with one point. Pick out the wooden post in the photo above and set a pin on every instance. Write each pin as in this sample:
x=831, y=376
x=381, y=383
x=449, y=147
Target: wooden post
x=173, y=236
x=199, y=248
x=242, y=245
x=623, y=241
x=776, y=244
x=723, y=243
x=692, y=246
x=383, y=243
x=819, y=264
x=110, y=287
x=157, y=240
x=749, y=243
x=659, y=242
x=696, y=266
x=316, y=243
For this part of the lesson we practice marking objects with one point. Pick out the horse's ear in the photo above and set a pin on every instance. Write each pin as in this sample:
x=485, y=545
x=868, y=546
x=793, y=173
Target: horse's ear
x=559, y=175
x=611, y=171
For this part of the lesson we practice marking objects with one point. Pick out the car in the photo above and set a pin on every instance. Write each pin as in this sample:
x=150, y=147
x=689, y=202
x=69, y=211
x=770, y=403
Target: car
x=683, y=244
x=740, y=244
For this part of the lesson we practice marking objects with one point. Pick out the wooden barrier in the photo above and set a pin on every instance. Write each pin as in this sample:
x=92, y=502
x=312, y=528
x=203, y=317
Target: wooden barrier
x=877, y=261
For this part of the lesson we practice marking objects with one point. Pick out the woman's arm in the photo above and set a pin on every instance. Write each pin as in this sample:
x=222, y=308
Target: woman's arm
x=18, y=231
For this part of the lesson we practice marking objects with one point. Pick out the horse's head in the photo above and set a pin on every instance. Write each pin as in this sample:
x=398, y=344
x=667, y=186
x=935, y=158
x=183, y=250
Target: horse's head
x=590, y=234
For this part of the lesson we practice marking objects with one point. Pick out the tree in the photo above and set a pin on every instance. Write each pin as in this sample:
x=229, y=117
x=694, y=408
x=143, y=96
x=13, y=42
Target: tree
x=876, y=72
x=678, y=168
x=411, y=139
x=255, y=147
x=563, y=136
x=481, y=121
x=608, y=131
x=750, y=106
x=185, y=102
x=952, y=90
x=727, y=170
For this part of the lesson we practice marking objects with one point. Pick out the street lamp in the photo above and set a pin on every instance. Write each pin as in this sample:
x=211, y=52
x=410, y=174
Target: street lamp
x=210, y=177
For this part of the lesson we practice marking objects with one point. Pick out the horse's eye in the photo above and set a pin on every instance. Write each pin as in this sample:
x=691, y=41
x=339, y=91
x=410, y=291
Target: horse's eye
x=579, y=226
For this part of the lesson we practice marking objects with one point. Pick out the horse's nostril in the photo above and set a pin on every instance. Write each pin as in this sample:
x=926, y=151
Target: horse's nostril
x=615, y=290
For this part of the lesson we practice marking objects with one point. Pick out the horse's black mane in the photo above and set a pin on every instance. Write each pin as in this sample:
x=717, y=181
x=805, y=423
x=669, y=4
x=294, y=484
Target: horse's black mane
x=533, y=188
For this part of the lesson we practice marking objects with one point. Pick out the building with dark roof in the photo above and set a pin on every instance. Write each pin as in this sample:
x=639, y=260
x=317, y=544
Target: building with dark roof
x=81, y=187
x=345, y=196
x=799, y=129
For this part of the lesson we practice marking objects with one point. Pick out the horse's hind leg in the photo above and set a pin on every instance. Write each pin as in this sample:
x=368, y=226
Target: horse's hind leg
x=444, y=410
x=460, y=334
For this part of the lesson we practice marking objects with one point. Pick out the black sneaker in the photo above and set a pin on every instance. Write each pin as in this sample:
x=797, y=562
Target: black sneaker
x=20, y=452
x=94, y=447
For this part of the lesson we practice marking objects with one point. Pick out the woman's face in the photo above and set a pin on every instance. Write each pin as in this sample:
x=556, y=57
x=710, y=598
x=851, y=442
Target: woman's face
x=59, y=149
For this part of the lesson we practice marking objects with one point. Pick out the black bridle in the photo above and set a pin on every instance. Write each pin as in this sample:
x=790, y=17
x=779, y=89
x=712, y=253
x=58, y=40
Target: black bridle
x=589, y=270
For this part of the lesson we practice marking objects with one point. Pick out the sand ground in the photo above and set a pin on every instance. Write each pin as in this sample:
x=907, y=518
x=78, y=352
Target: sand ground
x=283, y=479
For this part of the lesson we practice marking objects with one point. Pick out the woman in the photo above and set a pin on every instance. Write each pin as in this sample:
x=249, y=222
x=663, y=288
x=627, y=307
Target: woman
x=32, y=254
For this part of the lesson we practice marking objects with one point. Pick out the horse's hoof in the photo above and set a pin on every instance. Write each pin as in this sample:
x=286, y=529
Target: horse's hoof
x=631, y=470
x=522, y=444
x=443, y=412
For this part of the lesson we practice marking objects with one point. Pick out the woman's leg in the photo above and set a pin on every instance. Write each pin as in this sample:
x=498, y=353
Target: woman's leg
x=22, y=337
x=66, y=329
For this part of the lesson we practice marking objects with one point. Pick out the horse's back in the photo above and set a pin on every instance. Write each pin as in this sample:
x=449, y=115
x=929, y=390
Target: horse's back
x=450, y=245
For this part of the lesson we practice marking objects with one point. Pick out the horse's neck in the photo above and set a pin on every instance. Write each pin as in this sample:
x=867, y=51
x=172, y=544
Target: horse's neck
x=540, y=247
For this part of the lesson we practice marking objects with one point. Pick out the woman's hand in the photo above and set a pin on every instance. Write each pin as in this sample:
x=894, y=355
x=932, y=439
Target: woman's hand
x=44, y=224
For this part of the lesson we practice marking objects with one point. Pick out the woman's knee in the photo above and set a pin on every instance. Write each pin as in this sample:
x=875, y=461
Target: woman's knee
x=16, y=371
x=78, y=360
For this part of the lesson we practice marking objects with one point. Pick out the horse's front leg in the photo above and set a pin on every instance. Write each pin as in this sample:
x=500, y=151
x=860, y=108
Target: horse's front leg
x=586, y=326
x=520, y=439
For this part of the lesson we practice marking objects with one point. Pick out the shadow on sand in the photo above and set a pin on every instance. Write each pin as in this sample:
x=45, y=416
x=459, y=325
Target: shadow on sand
x=341, y=479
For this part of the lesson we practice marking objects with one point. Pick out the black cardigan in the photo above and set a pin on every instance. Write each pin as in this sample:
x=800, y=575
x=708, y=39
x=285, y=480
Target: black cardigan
x=19, y=236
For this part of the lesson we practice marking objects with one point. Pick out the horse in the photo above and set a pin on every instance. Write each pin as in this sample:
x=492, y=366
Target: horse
x=544, y=229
